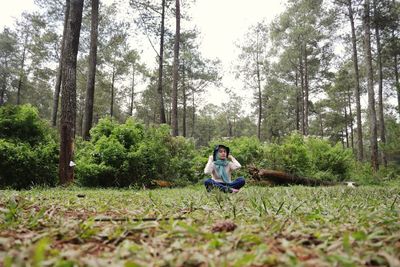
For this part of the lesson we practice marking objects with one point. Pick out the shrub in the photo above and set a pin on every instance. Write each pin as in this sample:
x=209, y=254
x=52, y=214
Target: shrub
x=28, y=149
x=130, y=154
x=310, y=157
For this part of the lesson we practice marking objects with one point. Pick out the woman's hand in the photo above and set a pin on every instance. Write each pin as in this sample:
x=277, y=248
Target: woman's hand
x=230, y=157
x=210, y=157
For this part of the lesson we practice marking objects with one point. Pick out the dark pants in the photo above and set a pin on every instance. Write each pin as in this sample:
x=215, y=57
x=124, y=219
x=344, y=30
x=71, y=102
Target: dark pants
x=225, y=187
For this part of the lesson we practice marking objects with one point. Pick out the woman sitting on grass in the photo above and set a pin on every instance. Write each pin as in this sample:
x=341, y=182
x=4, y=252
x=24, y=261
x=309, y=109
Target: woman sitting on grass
x=220, y=169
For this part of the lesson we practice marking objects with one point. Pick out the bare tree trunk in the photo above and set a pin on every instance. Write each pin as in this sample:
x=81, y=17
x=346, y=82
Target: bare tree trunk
x=88, y=115
x=381, y=124
x=259, y=97
x=397, y=83
x=160, y=67
x=112, y=93
x=351, y=120
x=21, y=71
x=357, y=91
x=59, y=71
x=184, y=100
x=345, y=127
x=132, y=91
x=302, y=96
x=321, y=125
x=4, y=87
x=297, y=102
x=174, y=115
x=370, y=87
x=306, y=91
x=193, y=114
x=68, y=99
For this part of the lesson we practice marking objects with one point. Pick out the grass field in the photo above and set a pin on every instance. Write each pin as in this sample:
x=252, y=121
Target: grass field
x=260, y=226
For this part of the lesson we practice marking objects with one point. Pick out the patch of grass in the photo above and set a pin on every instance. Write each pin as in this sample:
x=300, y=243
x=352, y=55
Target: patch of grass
x=279, y=226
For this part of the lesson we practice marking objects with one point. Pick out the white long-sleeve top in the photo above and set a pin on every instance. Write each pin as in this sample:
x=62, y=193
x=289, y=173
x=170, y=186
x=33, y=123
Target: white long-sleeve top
x=211, y=169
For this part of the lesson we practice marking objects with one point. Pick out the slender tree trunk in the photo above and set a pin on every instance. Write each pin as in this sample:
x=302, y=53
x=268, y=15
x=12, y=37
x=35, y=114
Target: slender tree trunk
x=193, y=114
x=303, y=128
x=382, y=132
x=345, y=127
x=306, y=91
x=321, y=125
x=174, y=115
x=351, y=120
x=370, y=86
x=259, y=97
x=57, y=88
x=112, y=93
x=132, y=91
x=357, y=91
x=68, y=99
x=184, y=96
x=88, y=115
x=21, y=71
x=397, y=83
x=297, y=102
x=4, y=87
x=160, y=67
x=396, y=68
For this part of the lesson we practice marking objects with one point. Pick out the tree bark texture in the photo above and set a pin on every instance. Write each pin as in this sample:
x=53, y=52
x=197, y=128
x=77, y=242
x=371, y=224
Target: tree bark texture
x=174, y=115
x=132, y=91
x=160, y=67
x=21, y=71
x=370, y=87
x=357, y=91
x=68, y=97
x=90, y=86
x=57, y=88
x=112, y=93
x=382, y=131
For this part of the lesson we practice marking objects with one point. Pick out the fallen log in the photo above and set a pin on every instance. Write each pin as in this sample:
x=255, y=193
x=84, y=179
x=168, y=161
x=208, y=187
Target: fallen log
x=274, y=177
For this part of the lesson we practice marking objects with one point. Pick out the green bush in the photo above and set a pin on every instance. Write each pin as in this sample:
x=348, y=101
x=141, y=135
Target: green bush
x=127, y=154
x=310, y=157
x=329, y=162
x=28, y=149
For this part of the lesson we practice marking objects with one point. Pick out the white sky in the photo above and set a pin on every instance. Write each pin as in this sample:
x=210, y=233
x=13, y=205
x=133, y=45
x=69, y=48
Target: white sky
x=222, y=23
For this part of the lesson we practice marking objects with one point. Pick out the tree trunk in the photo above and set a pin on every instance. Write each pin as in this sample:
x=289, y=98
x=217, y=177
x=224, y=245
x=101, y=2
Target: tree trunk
x=68, y=99
x=370, y=87
x=59, y=71
x=357, y=91
x=160, y=67
x=345, y=127
x=259, y=98
x=397, y=83
x=174, y=115
x=351, y=120
x=112, y=93
x=306, y=91
x=184, y=96
x=381, y=124
x=302, y=95
x=193, y=114
x=21, y=71
x=297, y=102
x=88, y=115
x=4, y=87
x=132, y=91
x=321, y=125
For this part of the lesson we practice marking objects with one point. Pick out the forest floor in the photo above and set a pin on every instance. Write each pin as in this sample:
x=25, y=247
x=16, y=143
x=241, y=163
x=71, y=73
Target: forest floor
x=260, y=226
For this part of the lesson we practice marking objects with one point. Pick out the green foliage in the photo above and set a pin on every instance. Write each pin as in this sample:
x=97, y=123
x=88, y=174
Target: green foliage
x=28, y=149
x=131, y=154
x=22, y=124
x=312, y=157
